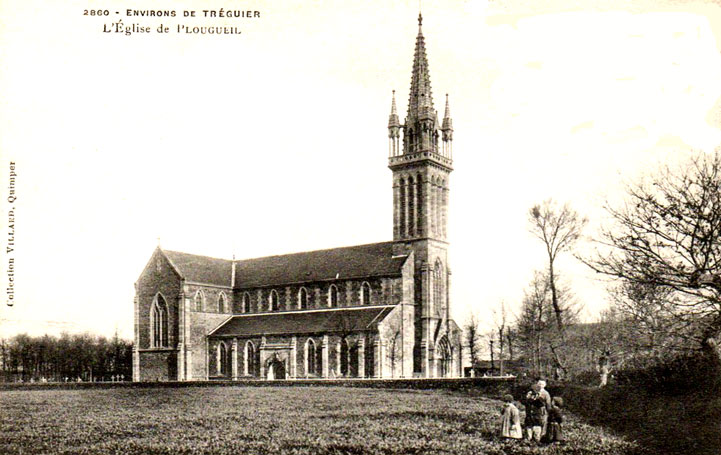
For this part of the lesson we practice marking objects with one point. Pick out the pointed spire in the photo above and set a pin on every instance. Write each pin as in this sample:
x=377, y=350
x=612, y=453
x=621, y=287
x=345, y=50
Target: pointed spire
x=420, y=103
x=393, y=121
x=447, y=122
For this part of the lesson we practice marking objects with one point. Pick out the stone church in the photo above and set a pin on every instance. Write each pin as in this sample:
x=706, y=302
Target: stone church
x=369, y=311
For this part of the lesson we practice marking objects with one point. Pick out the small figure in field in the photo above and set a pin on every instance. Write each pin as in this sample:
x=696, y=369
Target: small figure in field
x=555, y=421
x=604, y=368
x=535, y=412
x=510, y=419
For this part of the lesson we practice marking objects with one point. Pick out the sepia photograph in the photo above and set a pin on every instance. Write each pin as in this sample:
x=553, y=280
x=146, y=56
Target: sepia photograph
x=380, y=227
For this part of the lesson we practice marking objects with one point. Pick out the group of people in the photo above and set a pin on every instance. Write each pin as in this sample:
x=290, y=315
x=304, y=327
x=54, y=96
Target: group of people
x=543, y=421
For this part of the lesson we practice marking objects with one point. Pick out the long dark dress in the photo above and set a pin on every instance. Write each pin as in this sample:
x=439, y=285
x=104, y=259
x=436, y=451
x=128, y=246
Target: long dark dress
x=555, y=427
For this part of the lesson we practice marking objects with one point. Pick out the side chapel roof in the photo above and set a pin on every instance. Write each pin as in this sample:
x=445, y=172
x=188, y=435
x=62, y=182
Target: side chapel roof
x=304, y=321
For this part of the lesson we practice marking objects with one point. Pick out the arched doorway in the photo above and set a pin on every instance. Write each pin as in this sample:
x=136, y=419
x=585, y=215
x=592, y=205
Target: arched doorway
x=275, y=369
x=443, y=354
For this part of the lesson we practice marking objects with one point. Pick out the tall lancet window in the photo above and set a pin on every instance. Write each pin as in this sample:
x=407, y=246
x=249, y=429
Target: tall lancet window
x=444, y=211
x=411, y=194
x=221, y=303
x=250, y=364
x=439, y=209
x=333, y=296
x=245, y=304
x=432, y=213
x=222, y=359
x=273, y=301
x=199, y=298
x=159, y=323
x=419, y=206
x=402, y=208
x=311, y=366
x=302, y=299
x=438, y=299
x=365, y=293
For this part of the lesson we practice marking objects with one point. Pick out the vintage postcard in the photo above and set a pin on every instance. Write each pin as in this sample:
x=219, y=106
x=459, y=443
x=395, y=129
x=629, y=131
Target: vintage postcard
x=325, y=190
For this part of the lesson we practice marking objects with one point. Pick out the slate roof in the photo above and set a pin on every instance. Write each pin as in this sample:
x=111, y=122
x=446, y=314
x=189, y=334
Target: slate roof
x=375, y=259
x=297, y=322
x=201, y=269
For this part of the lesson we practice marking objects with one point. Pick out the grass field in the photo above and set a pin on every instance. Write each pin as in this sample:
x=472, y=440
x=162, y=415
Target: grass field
x=260, y=420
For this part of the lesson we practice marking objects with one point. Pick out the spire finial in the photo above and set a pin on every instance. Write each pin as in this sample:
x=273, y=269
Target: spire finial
x=393, y=122
x=420, y=19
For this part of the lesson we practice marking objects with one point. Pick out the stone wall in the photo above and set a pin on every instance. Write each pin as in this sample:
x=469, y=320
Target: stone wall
x=156, y=363
x=157, y=278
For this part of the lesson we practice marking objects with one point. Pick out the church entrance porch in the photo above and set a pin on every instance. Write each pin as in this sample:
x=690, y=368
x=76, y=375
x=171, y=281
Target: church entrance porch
x=275, y=363
x=445, y=358
x=275, y=369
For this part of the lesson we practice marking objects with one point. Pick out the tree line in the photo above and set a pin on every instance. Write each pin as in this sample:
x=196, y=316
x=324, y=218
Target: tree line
x=77, y=357
x=661, y=255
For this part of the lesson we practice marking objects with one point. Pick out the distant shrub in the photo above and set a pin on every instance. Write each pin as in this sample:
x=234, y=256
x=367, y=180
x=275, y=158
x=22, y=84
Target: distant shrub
x=678, y=375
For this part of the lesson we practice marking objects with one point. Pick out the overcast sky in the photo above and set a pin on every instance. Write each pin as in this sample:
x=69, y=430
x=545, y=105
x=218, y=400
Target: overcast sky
x=274, y=141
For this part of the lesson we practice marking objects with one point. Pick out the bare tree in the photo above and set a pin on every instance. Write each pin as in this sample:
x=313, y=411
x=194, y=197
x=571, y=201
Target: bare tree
x=558, y=228
x=543, y=345
x=394, y=338
x=532, y=322
x=472, y=338
x=668, y=235
x=499, y=318
x=510, y=341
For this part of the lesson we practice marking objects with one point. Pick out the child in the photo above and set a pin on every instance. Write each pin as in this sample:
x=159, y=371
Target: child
x=535, y=412
x=555, y=419
x=510, y=419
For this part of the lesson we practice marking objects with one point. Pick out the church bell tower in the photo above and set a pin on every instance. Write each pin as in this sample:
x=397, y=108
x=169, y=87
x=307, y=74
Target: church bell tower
x=420, y=157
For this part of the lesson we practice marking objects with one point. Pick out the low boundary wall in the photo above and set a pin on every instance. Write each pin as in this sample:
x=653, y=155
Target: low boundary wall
x=471, y=385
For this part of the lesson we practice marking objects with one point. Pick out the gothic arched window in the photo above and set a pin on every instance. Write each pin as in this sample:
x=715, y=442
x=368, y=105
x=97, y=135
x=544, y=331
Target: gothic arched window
x=222, y=359
x=438, y=286
x=402, y=206
x=221, y=303
x=250, y=361
x=199, y=298
x=344, y=357
x=245, y=303
x=410, y=194
x=273, y=301
x=419, y=206
x=310, y=358
x=365, y=293
x=159, y=323
x=302, y=299
x=333, y=296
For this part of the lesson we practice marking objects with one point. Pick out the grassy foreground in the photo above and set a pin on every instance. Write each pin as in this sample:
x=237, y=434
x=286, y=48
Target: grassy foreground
x=260, y=420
